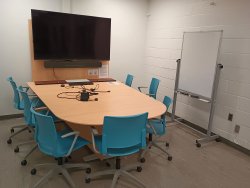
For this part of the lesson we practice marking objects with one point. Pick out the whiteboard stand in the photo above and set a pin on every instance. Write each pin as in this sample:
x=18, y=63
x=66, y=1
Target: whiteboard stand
x=208, y=137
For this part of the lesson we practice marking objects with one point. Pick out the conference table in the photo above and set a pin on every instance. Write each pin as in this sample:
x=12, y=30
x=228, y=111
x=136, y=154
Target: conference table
x=114, y=99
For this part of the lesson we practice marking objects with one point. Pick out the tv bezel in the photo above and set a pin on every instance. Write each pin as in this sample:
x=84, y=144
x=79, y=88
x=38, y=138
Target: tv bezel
x=69, y=59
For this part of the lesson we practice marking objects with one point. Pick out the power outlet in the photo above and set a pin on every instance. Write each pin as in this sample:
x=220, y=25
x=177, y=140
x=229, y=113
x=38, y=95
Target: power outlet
x=230, y=117
x=93, y=72
x=90, y=72
x=237, y=129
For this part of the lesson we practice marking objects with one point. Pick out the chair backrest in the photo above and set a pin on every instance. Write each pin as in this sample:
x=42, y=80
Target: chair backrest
x=45, y=133
x=124, y=135
x=129, y=80
x=154, y=87
x=167, y=101
x=16, y=99
x=27, y=105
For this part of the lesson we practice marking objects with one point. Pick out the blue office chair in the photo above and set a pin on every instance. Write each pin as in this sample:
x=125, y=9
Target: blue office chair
x=157, y=127
x=29, y=119
x=57, y=145
x=152, y=88
x=121, y=136
x=129, y=80
x=19, y=105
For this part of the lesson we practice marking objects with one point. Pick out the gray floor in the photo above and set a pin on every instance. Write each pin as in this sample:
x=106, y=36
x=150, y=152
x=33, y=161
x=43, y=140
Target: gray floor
x=214, y=165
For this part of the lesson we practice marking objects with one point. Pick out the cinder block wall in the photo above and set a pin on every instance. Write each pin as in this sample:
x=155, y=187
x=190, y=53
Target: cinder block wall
x=167, y=20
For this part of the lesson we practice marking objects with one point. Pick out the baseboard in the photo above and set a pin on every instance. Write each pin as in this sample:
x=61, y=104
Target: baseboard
x=11, y=116
x=224, y=140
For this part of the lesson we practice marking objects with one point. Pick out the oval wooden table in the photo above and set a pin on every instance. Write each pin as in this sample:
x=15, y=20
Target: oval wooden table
x=80, y=116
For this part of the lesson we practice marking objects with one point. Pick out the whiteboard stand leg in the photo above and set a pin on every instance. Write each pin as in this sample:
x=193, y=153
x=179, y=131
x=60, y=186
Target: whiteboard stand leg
x=207, y=139
x=176, y=89
x=209, y=136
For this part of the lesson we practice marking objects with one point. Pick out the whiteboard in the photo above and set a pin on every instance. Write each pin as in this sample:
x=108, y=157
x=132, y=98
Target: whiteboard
x=198, y=62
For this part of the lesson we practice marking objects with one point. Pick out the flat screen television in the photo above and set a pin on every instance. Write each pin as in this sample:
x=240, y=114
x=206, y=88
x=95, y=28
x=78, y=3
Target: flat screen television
x=62, y=36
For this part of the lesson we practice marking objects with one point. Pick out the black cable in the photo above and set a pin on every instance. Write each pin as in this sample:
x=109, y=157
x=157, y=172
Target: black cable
x=86, y=89
x=94, y=89
x=73, y=96
x=77, y=97
x=103, y=91
x=77, y=87
x=54, y=74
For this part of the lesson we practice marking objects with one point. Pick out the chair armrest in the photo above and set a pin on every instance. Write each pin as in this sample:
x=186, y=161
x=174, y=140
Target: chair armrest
x=93, y=133
x=152, y=127
x=41, y=108
x=32, y=95
x=141, y=87
x=74, y=141
x=150, y=94
x=70, y=134
x=26, y=88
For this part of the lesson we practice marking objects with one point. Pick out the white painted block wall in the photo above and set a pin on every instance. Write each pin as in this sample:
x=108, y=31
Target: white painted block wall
x=167, y=21
x=15, y=57
x=128, y=34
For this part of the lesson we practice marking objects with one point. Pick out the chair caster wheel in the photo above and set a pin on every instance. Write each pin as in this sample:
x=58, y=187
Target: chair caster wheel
x=66, y=160
x=139, y=169
x=198, y=145
x=12, y=130
x=167, y=144
x=33, y=171
x=23, y=162
x=9, y=141
x=87, y=180
x=218, y=139
x=170, y=158
x=142, y=160
x=16, y=150
x=88, y=170
x=108, y=164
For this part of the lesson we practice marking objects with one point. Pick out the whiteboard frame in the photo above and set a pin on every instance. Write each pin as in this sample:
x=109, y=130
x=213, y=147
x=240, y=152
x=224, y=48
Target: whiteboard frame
x=209, y=136
x=217, y=62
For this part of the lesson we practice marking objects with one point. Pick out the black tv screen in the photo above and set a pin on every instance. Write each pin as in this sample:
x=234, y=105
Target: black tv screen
x=62, y=36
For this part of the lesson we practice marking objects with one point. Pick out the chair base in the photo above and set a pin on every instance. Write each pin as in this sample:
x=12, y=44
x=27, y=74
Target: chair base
x=21, y=127
x=117, y=173
x=155, y=144
x=16, y=150
x=56, y=169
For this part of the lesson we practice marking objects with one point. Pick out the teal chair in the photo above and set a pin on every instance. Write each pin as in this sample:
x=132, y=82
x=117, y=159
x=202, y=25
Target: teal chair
x=129, y=80
x=157, y=128
x=121, y=136
x=152, y=88
x=29, y=119
x=58, y=145
x=19, y=105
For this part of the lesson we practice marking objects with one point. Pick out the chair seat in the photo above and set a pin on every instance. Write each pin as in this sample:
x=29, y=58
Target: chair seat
x=65, y=143
x=113, y=152
x=158, y=126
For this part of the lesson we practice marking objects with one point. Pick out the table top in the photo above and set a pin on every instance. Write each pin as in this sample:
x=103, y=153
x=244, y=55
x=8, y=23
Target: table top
x=120, y=101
